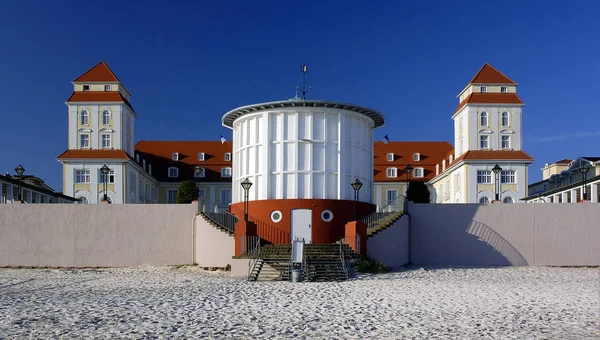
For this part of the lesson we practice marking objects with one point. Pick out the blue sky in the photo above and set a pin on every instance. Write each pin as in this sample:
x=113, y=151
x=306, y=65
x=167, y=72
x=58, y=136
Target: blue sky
x=187, y=63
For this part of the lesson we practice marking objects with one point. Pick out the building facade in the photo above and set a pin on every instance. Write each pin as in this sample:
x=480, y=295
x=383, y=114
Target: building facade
x=33, y=191
x=564, y=181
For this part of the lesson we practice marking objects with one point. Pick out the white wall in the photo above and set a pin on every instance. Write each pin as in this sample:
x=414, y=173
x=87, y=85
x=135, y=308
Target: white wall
x=99, y=235
x=390, y=246
x=505, y=234
x=302, y=153
x=214, y=248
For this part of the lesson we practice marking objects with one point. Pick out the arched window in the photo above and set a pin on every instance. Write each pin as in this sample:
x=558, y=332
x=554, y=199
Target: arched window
x=507, y=200
x=105, y=117
x=504, y=118
x=484, y=200
x=84, y=116
x=82, y=200
x=484, y=118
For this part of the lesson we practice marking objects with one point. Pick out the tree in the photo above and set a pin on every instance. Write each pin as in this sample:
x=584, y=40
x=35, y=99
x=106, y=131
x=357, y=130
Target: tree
x=187, y=192
x=418, y=192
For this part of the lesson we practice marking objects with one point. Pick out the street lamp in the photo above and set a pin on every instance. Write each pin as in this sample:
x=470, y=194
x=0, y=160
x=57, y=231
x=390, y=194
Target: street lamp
x=105, y=170
x=20, y=170
x=408, y=169
x=246, y=184
x=197, y=173
x=584, y=168
x=356, y=185
x=496, y=169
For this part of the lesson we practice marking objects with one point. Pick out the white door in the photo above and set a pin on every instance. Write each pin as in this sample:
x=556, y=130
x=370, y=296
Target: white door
x=301, y=228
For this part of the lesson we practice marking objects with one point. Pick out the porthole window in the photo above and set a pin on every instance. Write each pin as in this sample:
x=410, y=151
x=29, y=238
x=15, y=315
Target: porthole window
x=326, y=215
x=276, y=216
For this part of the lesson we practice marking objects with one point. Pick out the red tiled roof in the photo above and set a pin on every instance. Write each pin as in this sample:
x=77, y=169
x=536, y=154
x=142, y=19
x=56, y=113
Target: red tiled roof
x=490, y=98
x=431, y=153
x=159, y=153
x=98, y=96
x=504, y=155
x=102, y=154
x=99, y=73
x=489, y=75
x=563, y=161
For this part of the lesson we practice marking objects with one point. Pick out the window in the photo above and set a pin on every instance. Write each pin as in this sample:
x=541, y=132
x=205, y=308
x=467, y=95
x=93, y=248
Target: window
x=483, y=89
x=504, y=118
x=484, y=177
x=82, y=200
x=173, y=172
x=150, y=169
x=141, y=190
x=226, y=172
x=457, y=180
x=225, y=198
x=484, y=142
x=506, y=142
x=200, y=156
x=82, y=176
x=484, y=118
x=106, y=87
x=276, y=216
x=84, y=140
x=152, y=194
x=175, y=156
x=391, y=196
x=84, y=118
x=106, y=140
x=111, y=176
x=484, y=200
x=86, y=88
x=503, y=89
x=201, y=193
x=418, y=172
x=132, y=182
x=227, y=156
x=201, y=174
x=390, y=157
x=105, y=117
x=391, y=172
x=416, y=156
x=507, y=200
x=507, y=177
x=172, y=196
x=326, y=215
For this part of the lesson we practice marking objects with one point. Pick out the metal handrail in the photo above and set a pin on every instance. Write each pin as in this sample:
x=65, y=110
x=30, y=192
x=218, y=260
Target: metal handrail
x=386, y=214
x=254, y=254
x=223, y=219
x=266, y=231
x=343, y=258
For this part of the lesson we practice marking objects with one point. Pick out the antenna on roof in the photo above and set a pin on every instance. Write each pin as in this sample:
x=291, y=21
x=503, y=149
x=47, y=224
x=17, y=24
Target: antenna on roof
x=304, y=91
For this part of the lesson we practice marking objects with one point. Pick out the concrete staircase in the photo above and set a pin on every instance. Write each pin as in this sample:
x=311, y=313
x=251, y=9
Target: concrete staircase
x=323, y=263
x=214, y=220
x=382, y=221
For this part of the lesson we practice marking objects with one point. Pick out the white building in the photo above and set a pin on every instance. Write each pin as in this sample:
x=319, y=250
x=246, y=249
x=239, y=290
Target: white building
x=487, y=131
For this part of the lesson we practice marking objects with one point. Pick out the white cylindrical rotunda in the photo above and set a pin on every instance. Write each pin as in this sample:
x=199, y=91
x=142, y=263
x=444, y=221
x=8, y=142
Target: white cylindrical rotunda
x=302, y=149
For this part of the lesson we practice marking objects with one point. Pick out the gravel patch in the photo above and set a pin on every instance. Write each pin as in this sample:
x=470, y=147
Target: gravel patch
x=187, y=302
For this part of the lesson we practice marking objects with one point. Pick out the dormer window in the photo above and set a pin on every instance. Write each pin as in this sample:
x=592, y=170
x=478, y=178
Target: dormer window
x=106, y=87
x=228, y=157
x=144, y=164
x=391, y=172
x=86, y=88
x=418, y=172
x=175, y=156
x=503, y=89
x=416, y=156
x=390, y=157
x=483, y=89
x=201, y=156
x=173, y=172
x=226, y=172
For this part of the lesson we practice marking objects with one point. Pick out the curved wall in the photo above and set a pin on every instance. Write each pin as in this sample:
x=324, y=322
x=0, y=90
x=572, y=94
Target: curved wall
x=302, y=153
x=322, y=232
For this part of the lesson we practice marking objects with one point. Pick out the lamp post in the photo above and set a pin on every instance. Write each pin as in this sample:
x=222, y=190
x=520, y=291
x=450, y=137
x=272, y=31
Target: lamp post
x=408, y=169
x=105, y=170
x=356, y=185
x=20, y=170
x=497, y=169
x=246, y=184
x=584, y=168
x=197, y=173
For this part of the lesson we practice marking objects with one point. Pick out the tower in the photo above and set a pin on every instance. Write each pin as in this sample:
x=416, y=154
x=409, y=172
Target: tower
x=101, y=123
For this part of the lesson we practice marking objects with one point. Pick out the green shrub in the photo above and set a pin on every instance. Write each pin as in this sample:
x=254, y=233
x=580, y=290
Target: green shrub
x=187, y=192
x=368, y=265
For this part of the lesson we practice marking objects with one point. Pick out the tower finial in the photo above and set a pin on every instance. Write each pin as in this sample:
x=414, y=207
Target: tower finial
x=304, y=91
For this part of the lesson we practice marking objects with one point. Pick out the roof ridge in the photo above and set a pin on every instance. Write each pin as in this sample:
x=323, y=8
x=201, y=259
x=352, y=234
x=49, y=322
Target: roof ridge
x=102, y=62
x=474, y=79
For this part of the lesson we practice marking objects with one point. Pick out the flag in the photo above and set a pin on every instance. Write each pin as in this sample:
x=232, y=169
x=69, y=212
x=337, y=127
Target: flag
x=385, y=139
x=223, y=140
